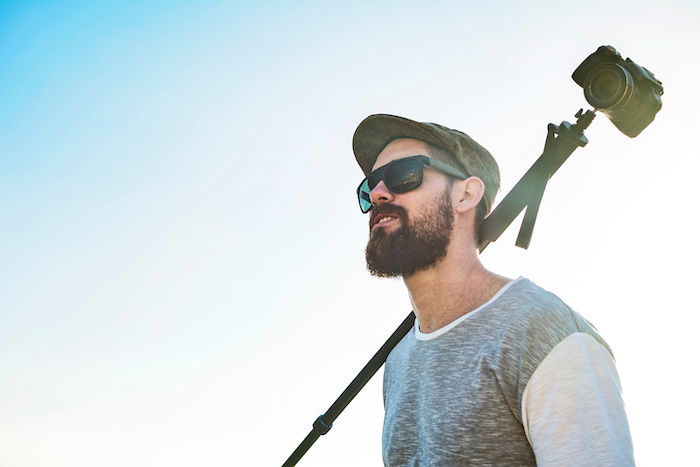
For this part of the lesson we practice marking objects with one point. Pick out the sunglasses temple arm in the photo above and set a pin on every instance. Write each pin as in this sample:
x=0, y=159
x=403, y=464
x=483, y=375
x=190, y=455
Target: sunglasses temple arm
x=448, y=169
x=324, y=423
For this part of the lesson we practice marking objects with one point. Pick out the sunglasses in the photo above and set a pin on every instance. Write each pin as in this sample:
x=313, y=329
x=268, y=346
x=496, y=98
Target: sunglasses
x=400, y=176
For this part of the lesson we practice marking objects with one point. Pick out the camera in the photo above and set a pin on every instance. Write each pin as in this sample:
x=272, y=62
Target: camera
x=627, y=93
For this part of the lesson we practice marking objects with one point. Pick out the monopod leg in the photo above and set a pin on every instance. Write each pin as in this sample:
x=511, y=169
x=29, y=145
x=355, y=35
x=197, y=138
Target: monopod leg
x=324, y=423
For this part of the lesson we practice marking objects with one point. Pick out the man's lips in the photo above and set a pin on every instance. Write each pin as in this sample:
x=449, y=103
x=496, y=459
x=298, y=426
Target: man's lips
x=383, y=219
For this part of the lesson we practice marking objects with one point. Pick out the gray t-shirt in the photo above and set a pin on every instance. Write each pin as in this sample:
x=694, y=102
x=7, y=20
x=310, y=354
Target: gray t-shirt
x=521, y=380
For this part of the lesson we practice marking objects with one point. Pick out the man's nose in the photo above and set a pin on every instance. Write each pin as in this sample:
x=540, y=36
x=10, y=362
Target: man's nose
x=381, y=194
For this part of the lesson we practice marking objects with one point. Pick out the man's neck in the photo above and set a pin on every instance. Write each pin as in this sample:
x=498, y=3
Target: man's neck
x=452, y=288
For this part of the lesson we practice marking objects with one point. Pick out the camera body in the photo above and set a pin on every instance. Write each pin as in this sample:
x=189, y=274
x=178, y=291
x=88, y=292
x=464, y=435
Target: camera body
x=627, y=93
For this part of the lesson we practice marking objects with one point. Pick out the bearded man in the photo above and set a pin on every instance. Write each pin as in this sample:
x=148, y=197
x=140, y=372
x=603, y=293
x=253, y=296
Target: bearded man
x=496, y=371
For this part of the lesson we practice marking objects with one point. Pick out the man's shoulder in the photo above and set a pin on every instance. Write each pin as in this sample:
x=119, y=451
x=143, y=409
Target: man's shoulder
x=533, y=316
x=526, y=302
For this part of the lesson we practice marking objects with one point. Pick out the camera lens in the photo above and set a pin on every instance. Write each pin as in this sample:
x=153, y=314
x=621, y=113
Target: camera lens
x=608, y=87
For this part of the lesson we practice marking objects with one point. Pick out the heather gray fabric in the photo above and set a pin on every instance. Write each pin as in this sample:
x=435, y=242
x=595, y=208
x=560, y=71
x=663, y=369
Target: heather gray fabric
x=456, y=399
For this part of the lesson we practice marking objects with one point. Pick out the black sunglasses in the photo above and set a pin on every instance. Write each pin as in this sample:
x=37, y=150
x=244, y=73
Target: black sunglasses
x=400, y=176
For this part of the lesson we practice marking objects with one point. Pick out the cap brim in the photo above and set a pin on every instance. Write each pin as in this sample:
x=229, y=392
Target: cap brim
x=376, y=131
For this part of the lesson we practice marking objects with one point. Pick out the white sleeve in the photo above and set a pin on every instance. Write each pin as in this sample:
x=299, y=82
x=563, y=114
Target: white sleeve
x=572, y=407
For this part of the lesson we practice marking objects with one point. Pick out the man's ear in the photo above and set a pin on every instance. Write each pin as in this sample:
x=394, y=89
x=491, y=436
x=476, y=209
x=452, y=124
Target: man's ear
x=470, y=192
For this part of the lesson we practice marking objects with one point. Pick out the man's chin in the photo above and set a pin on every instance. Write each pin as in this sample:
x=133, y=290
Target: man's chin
x=393, y=268
x=388, y=256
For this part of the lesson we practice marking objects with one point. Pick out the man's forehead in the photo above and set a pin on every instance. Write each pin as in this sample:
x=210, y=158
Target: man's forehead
x=400, y=148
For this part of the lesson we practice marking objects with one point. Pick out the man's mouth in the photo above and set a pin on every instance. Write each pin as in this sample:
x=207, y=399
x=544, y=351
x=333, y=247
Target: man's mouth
x=381, y=220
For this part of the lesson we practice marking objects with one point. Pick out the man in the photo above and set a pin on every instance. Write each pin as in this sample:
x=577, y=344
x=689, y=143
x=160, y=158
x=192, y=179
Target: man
x=496, y=371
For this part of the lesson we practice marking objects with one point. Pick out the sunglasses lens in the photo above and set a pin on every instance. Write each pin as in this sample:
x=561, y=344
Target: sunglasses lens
x=399, y=176
x=404, y=176
x=363, y=196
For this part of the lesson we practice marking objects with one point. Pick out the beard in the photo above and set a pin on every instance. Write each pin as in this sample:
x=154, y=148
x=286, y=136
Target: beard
x=416, y=245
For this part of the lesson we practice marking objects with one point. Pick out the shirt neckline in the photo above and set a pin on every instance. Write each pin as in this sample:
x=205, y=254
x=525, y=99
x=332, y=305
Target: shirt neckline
x=426, y=336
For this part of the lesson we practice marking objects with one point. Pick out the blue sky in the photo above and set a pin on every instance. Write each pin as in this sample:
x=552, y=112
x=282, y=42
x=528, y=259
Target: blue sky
x=183, y=279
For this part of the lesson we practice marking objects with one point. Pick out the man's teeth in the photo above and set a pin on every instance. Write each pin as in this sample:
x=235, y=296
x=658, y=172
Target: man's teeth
x=385, y=219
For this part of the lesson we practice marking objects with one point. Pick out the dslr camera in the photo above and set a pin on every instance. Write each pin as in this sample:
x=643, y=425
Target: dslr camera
x=627, y=93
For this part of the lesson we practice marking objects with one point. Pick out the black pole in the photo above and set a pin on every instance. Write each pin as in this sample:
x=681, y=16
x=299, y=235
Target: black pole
x=324, y=423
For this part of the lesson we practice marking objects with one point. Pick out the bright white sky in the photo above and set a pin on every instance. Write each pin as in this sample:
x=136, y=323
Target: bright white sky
x=182, y=276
